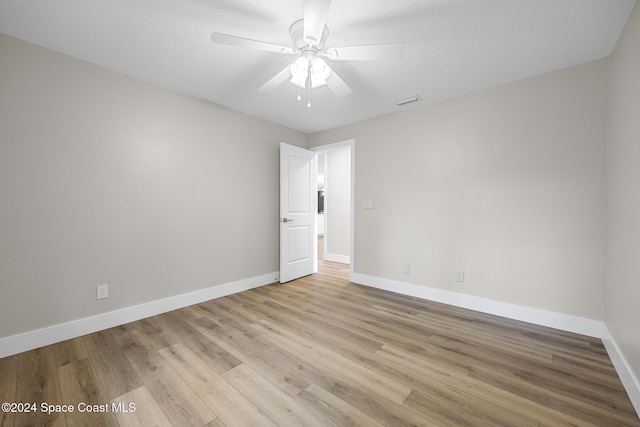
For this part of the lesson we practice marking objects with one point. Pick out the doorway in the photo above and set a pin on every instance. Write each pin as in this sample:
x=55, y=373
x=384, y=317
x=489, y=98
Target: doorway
x=336, y=185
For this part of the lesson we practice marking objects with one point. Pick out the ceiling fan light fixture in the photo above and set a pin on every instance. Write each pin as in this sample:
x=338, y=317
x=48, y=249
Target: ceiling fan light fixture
x=301, y=82
x=305, y=69
x=315, y=82
x=320, y=72
x=300, y=72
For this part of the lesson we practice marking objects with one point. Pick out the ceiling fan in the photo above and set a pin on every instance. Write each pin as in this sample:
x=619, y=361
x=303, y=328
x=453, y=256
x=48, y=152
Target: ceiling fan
x=310, y=70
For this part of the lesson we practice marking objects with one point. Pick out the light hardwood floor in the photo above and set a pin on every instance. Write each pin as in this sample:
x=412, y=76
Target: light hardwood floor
x=321, y=351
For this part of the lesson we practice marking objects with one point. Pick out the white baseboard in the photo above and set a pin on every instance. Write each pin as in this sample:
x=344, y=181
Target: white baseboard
x=629, y=380
x=343, y=259
x=52, y=334
x=566, y=322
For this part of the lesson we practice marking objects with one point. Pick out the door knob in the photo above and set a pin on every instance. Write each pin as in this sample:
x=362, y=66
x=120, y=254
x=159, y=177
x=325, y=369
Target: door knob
x=285, y=220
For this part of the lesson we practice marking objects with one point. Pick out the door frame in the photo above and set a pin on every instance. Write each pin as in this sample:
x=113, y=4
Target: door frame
x=349, y=143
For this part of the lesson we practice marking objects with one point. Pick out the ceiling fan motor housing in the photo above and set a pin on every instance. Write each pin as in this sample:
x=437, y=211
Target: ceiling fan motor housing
x=296, y=31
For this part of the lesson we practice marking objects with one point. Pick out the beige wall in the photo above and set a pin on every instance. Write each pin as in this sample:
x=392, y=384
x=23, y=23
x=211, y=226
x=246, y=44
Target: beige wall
x=108, y=179
x=622, y=298
x=506, y=184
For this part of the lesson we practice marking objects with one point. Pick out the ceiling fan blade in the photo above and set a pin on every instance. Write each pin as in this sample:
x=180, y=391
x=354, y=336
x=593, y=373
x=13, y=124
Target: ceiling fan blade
x=276, y=80
x=315, y=16
x=248, y=43
x=338, y=86
x=372, y=52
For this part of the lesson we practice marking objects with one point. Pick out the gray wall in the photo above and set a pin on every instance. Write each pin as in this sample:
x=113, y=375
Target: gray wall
x=506, y=184
x=622, y=298
x=108, y=179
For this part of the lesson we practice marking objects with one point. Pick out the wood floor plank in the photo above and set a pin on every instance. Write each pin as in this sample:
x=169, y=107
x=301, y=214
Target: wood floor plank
x=320, y=330
x=37, y=383
x=80, y=387
x=445, y=405
x=282, y=409
x=220, y=359
x=390, y=388
x=116, y=374
x=532, y=369
x=228, y=313
x=352, y=393
x=558, y=401
x=178, y=401
x=335, y=410
x=215, y=423
x=486, y=340
x=157, y=333
x=147, y=412
x=214, y=390
x=601, y=374
x=427, y=375
x=69, y=351
x=361, y=323
x=556, y=381
x=8, y=385
x=625, y=407
x=454, y=360
x=260, y=357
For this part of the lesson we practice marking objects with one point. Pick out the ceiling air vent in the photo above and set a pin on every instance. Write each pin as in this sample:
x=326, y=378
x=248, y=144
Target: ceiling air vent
x=409, y=100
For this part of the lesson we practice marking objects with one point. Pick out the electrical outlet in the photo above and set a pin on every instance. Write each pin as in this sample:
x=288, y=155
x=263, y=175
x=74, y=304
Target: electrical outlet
x=102, y=291
x=460, y=277
x=407, y=268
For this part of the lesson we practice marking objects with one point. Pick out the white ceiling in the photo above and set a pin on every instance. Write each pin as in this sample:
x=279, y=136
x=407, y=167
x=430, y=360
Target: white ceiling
x=452, y=46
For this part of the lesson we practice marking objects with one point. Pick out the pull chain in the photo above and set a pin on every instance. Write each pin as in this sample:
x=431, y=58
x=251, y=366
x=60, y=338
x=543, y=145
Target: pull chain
x=309, y=80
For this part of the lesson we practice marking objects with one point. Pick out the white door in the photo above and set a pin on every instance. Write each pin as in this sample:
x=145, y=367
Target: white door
x=298, y=207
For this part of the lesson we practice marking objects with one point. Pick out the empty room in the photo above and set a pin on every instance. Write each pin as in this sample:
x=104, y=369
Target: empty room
x=319, y=213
